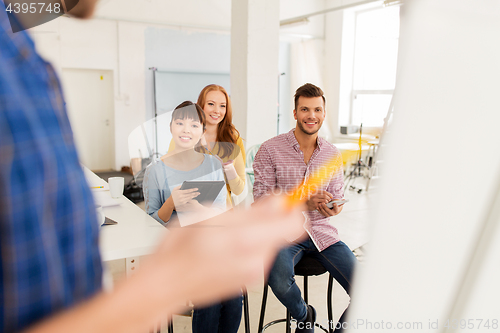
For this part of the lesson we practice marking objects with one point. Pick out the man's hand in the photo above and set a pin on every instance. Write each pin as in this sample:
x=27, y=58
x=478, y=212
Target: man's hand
x=204, y=263
x=191, y=206
x=194, y=212
x=215, y=258
x=316, y=199
x=327, y=212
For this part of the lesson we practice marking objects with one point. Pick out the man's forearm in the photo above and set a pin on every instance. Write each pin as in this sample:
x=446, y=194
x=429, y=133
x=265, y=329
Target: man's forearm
x=182, y=268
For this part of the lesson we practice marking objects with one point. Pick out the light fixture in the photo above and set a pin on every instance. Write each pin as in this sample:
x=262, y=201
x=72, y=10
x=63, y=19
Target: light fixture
x=388, y=3
x=304, y=19
x=294, y=22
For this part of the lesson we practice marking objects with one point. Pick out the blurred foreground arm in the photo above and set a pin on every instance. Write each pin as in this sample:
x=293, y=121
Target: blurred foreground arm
x=208, y=261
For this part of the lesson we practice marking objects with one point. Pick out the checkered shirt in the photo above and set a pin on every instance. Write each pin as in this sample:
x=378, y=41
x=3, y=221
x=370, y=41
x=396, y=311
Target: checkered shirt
x=49, y=256
x=279, y=168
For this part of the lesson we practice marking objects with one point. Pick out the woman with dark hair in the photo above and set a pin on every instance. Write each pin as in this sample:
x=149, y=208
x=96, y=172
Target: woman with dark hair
x=164, y=199
x=221, y=138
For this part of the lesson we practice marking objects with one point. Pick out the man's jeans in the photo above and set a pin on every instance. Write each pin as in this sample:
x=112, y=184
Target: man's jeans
x=338, y=260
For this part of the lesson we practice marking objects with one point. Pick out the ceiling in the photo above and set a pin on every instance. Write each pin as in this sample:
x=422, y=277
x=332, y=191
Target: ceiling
x=207, y=14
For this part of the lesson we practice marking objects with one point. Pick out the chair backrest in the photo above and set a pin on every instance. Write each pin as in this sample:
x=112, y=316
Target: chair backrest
x=251, y=152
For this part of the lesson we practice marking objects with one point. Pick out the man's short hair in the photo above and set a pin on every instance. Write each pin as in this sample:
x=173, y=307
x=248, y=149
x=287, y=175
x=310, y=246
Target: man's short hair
x=308, y=90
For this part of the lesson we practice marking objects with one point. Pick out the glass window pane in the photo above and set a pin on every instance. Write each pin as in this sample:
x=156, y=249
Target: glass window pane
x=376, y=46
x=370, y=109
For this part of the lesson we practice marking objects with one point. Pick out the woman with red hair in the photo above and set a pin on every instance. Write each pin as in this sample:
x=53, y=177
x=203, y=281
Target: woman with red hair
x=221, y=138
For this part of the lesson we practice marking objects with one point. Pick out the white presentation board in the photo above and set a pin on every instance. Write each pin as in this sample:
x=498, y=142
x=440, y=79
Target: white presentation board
x=173, y=88
x=442, y=170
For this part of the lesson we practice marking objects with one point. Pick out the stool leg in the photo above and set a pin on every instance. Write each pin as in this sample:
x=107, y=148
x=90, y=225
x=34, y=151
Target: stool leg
x=245, y=310
x=156, y=329
x=331, y=323
x=171, y=325
x=306, y=294
x=263, y=307
x=288, y=322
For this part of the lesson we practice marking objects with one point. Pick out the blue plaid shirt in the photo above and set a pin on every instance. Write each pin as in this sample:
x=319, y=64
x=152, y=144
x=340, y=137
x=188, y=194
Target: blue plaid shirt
x=48, y=229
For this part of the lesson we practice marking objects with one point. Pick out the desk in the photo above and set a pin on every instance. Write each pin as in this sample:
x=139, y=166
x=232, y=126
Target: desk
x=350, y=146
x=355, y=137
x=136, y=233
x=347, y=149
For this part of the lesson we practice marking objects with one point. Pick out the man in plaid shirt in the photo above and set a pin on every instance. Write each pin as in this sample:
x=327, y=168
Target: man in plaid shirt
x=50, y=267
x=283, y=163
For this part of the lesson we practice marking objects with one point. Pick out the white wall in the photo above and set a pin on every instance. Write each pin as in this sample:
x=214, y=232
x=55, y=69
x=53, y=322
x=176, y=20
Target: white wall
x=215, y=14
x=286, y=121
x=125, y=48
x=301, y=54
x=181, y=50
x=254, y=68
x=102, y=44
x=129, y=49
x=333, y=52
x=294, y=8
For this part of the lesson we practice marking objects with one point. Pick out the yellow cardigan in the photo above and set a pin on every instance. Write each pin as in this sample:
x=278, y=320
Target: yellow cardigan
x=237, y=184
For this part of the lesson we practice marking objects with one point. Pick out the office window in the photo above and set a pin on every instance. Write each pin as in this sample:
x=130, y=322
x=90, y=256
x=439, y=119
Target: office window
x=374, y=66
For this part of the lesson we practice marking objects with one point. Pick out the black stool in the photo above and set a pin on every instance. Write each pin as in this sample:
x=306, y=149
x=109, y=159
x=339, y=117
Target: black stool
x=246, y=315
x=307, y=266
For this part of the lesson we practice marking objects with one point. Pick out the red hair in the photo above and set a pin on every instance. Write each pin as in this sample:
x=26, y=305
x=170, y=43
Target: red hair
x=227, y=134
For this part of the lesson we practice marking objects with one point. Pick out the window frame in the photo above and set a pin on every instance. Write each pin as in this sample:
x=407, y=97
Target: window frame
x=355, y=92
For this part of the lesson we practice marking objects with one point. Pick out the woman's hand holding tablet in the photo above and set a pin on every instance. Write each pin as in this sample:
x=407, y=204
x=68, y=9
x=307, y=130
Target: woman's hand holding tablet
x=182, y=197
x=207, y=190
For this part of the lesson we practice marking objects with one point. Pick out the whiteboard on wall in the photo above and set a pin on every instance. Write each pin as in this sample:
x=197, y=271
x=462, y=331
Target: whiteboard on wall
x=171, y=89
x=434, y=253
x=174, y=87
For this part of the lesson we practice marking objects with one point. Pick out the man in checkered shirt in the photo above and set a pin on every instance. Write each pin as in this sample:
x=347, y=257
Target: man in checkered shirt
x=283, y=163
